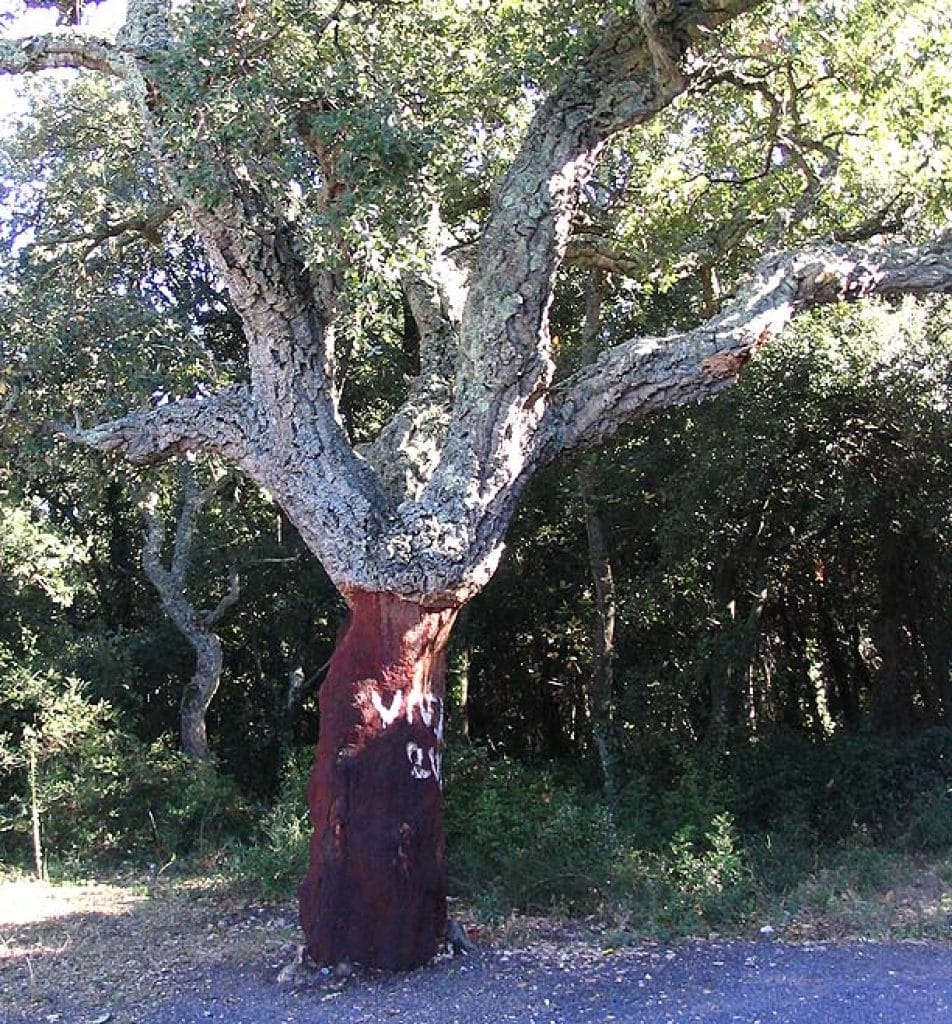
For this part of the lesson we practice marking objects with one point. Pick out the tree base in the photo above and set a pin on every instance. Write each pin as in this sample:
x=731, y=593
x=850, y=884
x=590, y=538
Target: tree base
x=375, y=891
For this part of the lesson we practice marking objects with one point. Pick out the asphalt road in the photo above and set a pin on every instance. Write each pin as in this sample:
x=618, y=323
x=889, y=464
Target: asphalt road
x=695, y=983
x=571, y=982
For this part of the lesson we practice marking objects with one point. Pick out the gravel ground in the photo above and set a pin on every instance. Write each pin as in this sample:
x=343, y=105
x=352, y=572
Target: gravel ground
x=700, y=983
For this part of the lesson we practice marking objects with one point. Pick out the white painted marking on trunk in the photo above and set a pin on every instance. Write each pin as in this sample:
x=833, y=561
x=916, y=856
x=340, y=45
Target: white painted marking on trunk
x=436, y=763
x=430, y=711
x=415, y=757
x=388, y=715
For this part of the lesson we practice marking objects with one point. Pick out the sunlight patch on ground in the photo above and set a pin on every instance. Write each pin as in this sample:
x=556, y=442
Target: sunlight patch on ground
x=29, y=902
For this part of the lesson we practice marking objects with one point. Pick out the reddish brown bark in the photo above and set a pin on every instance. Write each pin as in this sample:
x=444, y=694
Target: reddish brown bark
x=375, y=891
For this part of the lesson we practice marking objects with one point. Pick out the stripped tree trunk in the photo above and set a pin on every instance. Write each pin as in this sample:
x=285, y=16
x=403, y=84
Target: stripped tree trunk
x=376, y=888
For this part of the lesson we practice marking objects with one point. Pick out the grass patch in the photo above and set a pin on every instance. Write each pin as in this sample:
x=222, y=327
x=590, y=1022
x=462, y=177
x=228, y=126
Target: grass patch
x=867, y=894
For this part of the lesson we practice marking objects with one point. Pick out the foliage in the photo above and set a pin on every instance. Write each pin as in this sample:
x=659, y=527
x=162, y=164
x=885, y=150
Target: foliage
x=103, y=795
x=274, y=861
x=860, y=785
x=694, y=884
x=519, y=837
x=697, y=855
x=780, y=555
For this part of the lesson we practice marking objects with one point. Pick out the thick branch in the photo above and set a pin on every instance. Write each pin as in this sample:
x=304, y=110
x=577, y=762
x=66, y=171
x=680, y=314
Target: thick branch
x=146, y=29
x=61, y=50
x=221, y=424
x=289, y=331
x=409, y=446
x=284, y=307
x=506, y=365
x=600, y=253
x=646, y=374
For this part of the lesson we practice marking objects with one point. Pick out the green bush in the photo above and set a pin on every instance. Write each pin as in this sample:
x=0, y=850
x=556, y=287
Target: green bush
x=103, y=795
x=191, y=807
x=526, y=838
x=697, y=882
x=275, y=860
x=864, y=785
x=930, y=820
x=518, y=837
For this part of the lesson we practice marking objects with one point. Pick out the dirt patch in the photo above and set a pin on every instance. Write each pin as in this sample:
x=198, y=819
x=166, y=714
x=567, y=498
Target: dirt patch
x=118, y=950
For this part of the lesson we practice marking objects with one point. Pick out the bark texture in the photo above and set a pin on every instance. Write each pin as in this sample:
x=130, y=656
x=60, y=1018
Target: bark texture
x=375, y=892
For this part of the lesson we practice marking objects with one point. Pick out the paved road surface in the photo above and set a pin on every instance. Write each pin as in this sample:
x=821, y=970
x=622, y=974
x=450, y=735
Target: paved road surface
x=576, y=983
x=698, y=983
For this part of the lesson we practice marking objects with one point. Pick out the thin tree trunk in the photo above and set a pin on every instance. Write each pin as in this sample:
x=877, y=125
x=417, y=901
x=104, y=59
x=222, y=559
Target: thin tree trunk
x=195, y=626
x=891, y=700
x=39, y=861
x=198, y=694
x=288, y=704
x=601, y=684
x=375, y=891
x=460, y=661
x=842, y=701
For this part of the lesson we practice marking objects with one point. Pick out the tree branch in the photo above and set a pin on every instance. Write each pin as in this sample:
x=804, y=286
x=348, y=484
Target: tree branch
x=194, y=625
x=213, y=617
x=409, y=446
x=506, y=363
x=54, y=50
x=146, y=226
x=146, y=28
x=644, y=375
x=171, y=582
x=223, y=424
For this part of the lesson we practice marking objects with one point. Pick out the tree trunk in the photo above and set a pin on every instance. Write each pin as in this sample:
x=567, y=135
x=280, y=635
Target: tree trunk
x=38, y=859
x=198, y=694
x=601, y=684
x=375, y=891
x=194, y=625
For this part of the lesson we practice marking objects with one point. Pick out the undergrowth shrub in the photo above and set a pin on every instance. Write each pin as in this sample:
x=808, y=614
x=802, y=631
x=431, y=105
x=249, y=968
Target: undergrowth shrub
x=525, y=837
x=192, y=807
x=696, y=882
x=103, y=795
x=929, y=826
x=519, y=837
x=865, y=785
x=274, y=861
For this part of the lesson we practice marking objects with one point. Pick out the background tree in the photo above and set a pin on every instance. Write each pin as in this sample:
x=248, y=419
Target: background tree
x=296, y=189
x=196, y=625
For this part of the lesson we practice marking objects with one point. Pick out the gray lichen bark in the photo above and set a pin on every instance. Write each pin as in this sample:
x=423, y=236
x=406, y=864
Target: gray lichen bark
x=422, y=511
